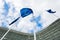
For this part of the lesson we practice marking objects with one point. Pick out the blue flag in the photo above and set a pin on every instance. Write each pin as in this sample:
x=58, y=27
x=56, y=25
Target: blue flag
x=24, y=12
x=50, y=11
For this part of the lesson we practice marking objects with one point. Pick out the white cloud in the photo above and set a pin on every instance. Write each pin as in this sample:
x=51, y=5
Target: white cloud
x=1, y=4
x=39, y=7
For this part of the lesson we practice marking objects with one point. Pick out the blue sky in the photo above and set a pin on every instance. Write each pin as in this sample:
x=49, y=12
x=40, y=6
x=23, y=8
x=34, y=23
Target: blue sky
x=10, y=10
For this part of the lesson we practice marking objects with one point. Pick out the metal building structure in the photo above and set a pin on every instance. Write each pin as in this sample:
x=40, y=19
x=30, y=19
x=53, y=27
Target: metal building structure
x=14, y=35
x=50, y=33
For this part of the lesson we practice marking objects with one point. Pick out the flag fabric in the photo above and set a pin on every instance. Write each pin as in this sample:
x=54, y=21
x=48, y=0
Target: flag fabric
x=25, y=12
x=50, y=11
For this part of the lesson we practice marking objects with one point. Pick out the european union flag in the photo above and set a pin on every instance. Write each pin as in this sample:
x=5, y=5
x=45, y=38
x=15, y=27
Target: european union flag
x=24, y=12
x=50, y=11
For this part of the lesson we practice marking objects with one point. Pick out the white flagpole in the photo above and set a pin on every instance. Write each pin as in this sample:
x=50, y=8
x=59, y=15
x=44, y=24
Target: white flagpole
x=34, y=34
x=34, y=28
x=6, y=32
x=56, y=16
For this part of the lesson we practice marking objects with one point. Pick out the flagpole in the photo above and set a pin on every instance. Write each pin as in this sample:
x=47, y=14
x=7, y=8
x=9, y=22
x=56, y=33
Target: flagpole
x=55, y=16
x=34, y=35
x=5, y=34
x=34, y=32
x=9, y=28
